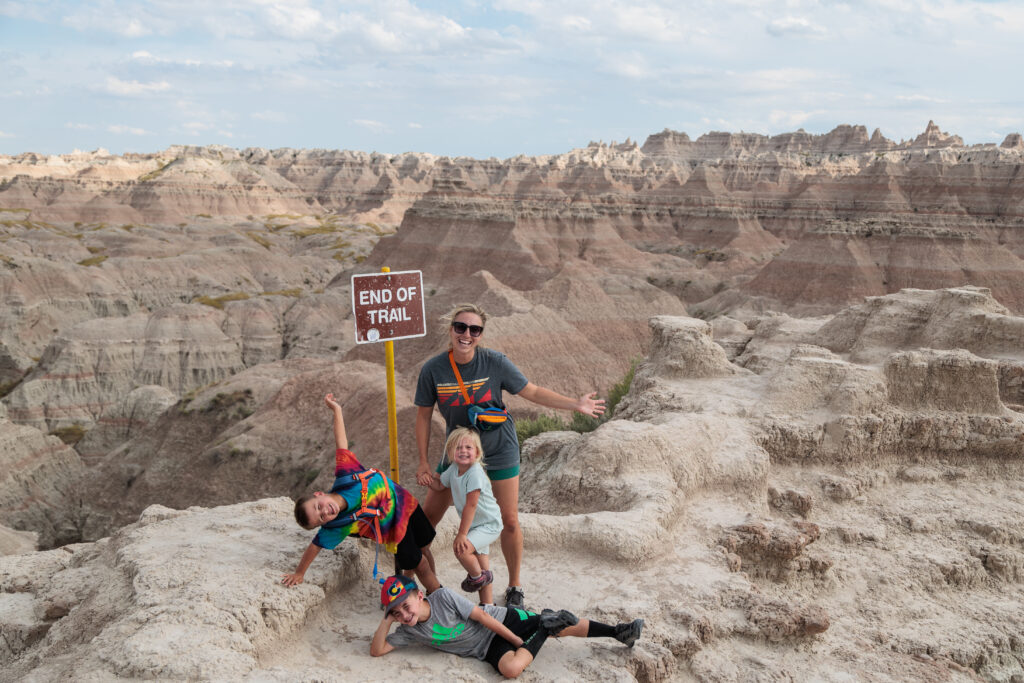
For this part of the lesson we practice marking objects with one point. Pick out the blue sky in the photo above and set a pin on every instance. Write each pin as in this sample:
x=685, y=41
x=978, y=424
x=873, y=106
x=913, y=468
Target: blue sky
x=498, y=78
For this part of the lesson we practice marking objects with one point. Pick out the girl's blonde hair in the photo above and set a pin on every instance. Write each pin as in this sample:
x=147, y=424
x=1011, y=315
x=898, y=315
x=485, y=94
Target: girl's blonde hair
x=448, y=318
x=457, y=435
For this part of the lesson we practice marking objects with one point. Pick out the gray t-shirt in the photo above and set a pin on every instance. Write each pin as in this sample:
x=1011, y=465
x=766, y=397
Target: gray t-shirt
x=449, y=627
x=487, y=510
x=485, y=378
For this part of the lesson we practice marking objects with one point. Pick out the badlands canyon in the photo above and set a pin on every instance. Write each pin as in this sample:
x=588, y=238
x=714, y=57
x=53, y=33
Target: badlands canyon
x=816, y=473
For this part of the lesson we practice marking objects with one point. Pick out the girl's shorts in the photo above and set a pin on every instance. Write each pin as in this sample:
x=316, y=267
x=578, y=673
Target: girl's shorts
x=483, y=536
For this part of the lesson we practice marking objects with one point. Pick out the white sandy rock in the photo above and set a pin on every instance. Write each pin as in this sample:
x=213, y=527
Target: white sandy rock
x=180, y=595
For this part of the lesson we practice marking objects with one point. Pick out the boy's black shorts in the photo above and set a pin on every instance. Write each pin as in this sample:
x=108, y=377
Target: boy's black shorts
x=521, y=623
x=419, y=533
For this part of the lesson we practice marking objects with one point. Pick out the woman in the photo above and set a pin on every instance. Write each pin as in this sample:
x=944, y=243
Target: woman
x=461, y=381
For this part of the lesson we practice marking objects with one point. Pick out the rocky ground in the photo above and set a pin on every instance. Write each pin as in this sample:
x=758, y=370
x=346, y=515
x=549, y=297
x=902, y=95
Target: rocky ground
x=816, y=473
x=754, y=552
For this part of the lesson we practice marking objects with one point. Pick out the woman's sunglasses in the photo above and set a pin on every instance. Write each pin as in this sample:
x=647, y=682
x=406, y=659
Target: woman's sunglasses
x=474, y=330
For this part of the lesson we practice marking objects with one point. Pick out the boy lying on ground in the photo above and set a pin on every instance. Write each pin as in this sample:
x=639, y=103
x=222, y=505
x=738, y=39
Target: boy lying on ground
x=507, y=638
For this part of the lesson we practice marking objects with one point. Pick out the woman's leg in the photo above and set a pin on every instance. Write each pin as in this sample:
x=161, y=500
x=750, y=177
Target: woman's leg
x=506, y=491
x=435, y=505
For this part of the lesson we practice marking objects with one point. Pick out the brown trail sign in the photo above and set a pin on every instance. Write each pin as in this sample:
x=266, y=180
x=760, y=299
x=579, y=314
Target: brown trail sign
x=388, y=306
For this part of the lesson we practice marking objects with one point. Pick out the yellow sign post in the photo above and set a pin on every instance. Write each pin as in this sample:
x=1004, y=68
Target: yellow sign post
x=389, y=363
x=389, y=306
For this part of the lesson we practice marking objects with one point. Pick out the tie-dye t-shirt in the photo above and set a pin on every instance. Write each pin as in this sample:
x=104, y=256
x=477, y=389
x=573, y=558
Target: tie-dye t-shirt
x=381, y=492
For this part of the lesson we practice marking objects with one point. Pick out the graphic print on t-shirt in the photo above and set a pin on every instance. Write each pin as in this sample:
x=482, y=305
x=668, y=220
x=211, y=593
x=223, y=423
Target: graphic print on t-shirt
x=449, y=394
x=440, y=633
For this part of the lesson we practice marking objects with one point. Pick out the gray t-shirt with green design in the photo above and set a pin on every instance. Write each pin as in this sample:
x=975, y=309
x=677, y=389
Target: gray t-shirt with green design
x=449, y=627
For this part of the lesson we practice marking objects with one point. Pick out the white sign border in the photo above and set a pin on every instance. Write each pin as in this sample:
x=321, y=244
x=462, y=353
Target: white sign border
x=423, y=306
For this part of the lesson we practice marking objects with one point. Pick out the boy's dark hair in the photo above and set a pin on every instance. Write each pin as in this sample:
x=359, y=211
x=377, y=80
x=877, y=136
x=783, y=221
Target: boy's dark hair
x=300, y=512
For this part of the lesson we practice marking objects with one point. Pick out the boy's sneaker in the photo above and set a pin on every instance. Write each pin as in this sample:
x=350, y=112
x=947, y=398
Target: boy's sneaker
x=471, y=585
x=555, y=621
x=627, y=634
x=514, y=597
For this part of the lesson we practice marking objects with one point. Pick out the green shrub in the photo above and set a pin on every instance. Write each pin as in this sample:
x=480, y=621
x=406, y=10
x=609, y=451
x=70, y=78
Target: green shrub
x=69, y=435
x=93, y=260
x=219, y=301
x=527, y=427
x=532, y=426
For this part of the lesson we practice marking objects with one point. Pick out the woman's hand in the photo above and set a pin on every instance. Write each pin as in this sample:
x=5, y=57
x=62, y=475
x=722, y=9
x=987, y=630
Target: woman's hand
x=424, y=474
x=590, y=406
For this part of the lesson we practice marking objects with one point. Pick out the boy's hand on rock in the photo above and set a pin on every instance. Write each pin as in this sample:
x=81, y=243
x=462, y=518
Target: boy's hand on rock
x=292, y=579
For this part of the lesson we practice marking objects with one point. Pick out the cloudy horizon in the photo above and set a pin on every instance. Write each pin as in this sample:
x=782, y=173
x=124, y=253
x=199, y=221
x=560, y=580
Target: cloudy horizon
x=499, y=78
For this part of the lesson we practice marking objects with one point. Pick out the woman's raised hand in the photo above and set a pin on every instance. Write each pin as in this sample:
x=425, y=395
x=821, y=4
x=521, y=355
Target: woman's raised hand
x=590, y=406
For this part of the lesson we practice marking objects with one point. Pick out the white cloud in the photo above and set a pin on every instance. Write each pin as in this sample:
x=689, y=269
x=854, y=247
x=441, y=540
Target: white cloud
x=920, y=98
x=116, y=86
x=126, y=130
x=4, y=134
x=795, y=26
x=147, y=58
x=196, y=127
x=415, y=125
x=375, y=126
x=79, y=126
x=295, y=19
x=791, y=119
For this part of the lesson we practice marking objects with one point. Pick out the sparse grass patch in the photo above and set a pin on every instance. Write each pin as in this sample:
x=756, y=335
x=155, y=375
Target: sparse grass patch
x=8, y=387
x=319, y=230
x=259, y=239
x=239, y=400
x=93, y=260
x=219, y=301
x=69, y=435
x=154, y=174
x=294, y=292
x=95, y=250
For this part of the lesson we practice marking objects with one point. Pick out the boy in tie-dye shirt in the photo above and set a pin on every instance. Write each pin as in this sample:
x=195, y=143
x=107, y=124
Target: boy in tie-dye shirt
x=364, y=503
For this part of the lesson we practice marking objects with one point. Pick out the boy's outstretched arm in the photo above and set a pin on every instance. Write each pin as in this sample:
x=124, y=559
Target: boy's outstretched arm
x=500, y=630
x=340, y=438
x=379, y=645
x=300, y=572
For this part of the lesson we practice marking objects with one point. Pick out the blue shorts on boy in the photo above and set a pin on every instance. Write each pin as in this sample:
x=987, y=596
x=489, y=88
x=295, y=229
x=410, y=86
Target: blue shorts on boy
x=486, y=526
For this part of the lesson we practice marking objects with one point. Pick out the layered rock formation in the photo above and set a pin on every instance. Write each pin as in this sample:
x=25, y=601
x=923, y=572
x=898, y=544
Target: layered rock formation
x=874, y=537
x=170, y=323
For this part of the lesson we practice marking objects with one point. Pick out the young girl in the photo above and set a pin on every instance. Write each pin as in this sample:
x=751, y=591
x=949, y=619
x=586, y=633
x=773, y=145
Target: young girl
x=480, y=523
